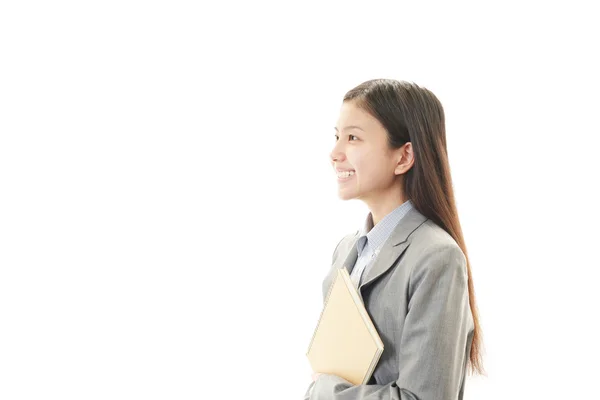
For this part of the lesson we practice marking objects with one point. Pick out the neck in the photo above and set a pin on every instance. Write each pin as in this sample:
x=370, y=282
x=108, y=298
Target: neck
x=381, y=209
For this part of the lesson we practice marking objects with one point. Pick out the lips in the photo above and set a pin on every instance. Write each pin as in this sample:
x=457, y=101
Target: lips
x=344, y=178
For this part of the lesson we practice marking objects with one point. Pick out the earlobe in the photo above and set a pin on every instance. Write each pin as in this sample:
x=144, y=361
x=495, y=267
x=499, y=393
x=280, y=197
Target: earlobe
x=402, y=169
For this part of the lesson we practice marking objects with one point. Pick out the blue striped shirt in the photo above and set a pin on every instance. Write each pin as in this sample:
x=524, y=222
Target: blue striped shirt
x=371, y=239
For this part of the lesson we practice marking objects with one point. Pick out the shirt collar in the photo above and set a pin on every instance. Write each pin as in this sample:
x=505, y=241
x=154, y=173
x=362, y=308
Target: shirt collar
x=375, y=236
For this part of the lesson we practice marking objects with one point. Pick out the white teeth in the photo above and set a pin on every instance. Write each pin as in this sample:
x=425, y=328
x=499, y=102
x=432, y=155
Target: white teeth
x=345, y=174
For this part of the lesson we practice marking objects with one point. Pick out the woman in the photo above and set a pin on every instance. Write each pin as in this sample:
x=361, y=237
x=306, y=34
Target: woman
x=409, y=260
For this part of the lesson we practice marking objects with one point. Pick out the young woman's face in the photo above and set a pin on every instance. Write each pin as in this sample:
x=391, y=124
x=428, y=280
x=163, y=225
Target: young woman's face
x=361, y=146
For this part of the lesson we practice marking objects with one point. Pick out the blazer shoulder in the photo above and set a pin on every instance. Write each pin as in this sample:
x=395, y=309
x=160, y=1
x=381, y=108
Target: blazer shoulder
x=431, y=238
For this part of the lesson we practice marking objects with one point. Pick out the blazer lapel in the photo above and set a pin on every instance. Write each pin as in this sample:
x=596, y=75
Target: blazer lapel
x=393, y=248
x=352, y=255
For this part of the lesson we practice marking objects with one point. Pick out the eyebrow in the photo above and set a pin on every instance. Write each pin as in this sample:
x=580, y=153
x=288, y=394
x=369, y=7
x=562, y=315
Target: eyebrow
x=350, y=127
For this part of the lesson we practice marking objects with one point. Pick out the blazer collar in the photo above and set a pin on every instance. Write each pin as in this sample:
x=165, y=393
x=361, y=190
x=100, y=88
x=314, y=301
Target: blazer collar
x=391, y=250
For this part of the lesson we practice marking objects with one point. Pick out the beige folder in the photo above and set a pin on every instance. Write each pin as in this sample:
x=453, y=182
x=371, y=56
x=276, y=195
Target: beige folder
x=345, y=342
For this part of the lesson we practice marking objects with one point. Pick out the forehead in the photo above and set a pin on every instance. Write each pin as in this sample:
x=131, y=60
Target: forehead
x=352, y=115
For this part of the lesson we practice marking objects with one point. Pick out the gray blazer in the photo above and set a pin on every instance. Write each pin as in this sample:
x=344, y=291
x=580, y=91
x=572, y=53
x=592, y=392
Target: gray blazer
x=416, y=293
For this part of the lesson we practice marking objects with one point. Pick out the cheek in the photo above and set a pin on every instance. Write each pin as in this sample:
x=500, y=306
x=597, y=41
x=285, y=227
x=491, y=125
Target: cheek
x=372, y=172
x=365, y=164
x=361, y=162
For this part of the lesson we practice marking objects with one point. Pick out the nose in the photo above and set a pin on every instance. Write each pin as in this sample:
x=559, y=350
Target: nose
x=337, y=155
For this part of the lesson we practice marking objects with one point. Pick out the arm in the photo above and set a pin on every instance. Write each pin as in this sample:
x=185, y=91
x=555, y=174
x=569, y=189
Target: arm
x=432, y=348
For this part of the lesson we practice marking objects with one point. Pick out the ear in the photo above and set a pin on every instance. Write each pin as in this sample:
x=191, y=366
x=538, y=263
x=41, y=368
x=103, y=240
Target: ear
x=406, y=159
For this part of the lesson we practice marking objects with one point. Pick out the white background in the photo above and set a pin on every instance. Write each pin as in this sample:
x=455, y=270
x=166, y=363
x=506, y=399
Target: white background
x=168, y=210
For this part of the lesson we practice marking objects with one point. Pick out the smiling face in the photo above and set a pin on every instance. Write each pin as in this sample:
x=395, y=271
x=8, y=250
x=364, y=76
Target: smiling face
x=361, y=145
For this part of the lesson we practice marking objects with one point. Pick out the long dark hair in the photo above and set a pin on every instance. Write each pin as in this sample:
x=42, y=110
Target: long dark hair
x=411, y=113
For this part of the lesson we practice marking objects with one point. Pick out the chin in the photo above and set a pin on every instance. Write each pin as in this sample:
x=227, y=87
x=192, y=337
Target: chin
x=345, y=195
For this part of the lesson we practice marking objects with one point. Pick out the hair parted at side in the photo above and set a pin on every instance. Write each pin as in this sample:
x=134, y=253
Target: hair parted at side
x=411, y=113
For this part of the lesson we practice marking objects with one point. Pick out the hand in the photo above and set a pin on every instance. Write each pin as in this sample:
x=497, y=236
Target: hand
x=315, y=376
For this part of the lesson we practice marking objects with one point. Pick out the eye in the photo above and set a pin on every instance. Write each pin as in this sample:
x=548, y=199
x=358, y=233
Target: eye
x=336, y=137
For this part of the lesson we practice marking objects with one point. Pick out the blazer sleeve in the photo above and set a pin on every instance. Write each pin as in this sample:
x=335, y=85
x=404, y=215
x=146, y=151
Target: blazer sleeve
x=432, y=352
